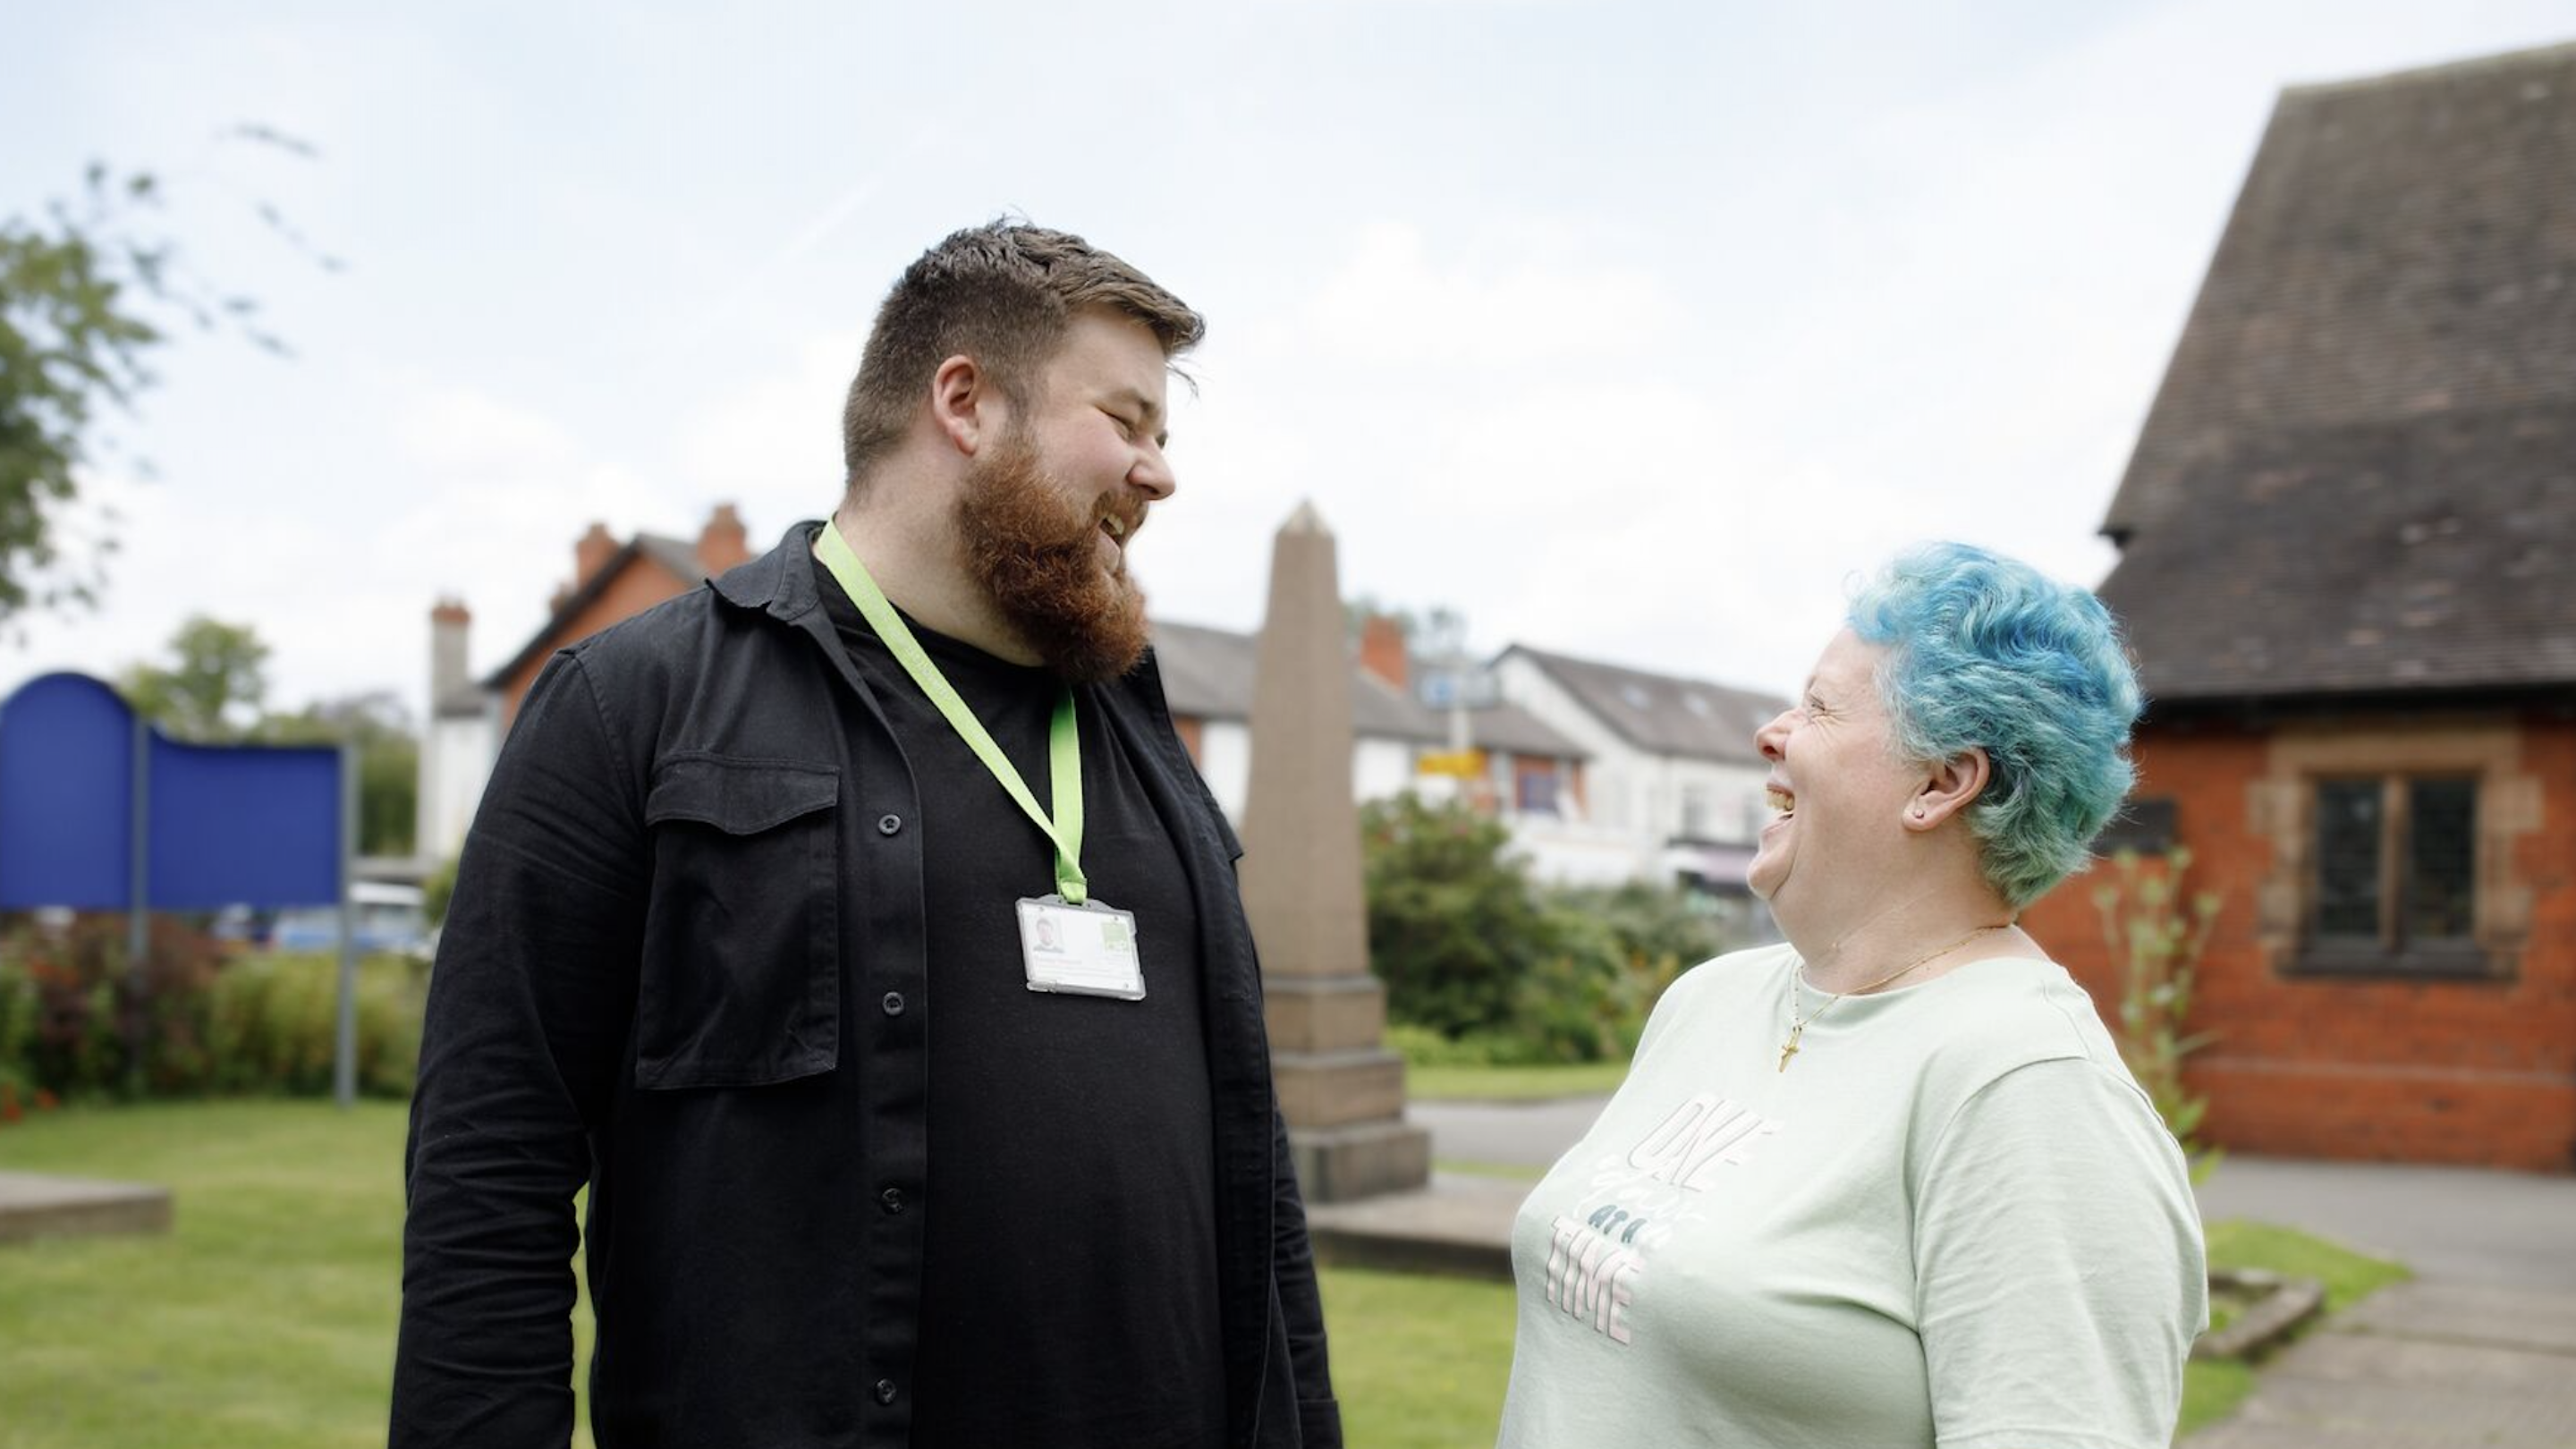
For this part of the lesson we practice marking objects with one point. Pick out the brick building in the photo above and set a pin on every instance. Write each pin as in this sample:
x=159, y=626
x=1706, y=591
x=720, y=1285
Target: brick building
x=468, y=718
x=2348, y=568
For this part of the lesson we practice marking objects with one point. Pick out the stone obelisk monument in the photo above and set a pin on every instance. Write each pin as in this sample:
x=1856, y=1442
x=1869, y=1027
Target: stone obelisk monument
x=1341, y=1090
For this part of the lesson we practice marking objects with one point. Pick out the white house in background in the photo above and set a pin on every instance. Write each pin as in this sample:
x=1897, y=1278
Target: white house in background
x=464, y=737
x=1673, y=776
x=467, y=717
x=1532, y=773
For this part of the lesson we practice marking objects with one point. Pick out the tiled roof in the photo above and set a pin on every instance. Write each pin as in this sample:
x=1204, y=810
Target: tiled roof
x=1661, y=713
x=678, y=558
x=1208, y=673
x=2360, y=472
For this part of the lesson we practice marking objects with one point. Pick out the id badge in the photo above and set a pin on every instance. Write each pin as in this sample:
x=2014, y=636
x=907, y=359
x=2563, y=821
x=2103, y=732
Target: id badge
x=1084, y=950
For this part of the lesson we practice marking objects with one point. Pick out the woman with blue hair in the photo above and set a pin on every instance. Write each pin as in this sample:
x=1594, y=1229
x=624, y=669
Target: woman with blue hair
x=1886, y=1184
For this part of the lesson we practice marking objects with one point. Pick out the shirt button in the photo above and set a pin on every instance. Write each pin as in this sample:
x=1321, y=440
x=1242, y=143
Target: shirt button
x=892, y=1198
x=893, y=1003
x=885, y=1391
x=889, y=824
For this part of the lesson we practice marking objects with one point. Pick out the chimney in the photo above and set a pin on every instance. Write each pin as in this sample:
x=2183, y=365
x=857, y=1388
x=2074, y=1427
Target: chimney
x=721, y=543
x=1384, y=652
x=447, y=624
x=594, y=550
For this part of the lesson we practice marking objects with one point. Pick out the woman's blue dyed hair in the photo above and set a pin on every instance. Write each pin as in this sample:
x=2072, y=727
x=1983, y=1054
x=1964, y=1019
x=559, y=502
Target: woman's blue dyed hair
x=1986, y=651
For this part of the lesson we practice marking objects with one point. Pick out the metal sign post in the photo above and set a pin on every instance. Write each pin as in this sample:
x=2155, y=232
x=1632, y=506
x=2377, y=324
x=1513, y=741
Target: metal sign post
x=138, y=914
x=344, y=1065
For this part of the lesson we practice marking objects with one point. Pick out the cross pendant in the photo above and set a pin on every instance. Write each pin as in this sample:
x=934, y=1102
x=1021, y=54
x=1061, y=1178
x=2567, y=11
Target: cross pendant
x=1789, y=1048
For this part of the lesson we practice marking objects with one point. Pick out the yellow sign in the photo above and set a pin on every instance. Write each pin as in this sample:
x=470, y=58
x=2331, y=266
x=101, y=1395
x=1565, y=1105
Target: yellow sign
x=1465, y=764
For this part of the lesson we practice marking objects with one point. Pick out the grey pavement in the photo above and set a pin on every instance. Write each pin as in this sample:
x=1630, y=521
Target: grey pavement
x=1526, y=1134
x=2450, y=1224
x=2479, y=1350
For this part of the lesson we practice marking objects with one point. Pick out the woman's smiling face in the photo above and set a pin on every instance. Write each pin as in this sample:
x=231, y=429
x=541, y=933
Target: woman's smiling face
x=1838, y=783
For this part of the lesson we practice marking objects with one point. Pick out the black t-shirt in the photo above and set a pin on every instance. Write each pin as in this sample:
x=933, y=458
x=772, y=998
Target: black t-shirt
x=1069, y=1281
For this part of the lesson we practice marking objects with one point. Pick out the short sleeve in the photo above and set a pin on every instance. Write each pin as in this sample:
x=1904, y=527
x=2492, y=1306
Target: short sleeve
x=2059, y=1270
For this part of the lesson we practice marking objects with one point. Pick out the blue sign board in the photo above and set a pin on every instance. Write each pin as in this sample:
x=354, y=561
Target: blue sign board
x=223, y=824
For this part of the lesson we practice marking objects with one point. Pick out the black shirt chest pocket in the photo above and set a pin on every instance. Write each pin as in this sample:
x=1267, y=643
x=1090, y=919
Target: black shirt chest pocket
x=740, y=980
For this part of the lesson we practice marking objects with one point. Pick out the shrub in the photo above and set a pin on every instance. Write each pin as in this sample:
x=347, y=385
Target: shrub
x=1453, y=923
x=273, y=1025
x=438, y=890
x=1655, y=920
x=1498, y=969
x=72, y=1020
x=2156, y=932
x=72, y=1024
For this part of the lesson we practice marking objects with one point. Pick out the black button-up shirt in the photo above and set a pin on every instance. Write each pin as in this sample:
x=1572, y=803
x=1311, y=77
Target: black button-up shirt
x=663, y=906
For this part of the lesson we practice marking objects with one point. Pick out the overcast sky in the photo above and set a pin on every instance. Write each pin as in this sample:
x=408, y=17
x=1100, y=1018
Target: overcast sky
x=1628, y=330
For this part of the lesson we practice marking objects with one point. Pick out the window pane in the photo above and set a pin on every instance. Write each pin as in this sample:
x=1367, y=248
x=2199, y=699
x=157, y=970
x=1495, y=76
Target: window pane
x=2441, y=877
x=1538, y=792
x=2348, y=818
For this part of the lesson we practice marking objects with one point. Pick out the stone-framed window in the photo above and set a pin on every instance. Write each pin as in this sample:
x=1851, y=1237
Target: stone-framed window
x=2395, y=869
x=2393, y=848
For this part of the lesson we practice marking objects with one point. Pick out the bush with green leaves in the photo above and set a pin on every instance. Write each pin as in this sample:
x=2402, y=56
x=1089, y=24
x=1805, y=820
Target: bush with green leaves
x=2156, y=930
x=73, y=1013
x=1454, y=925
x=73, y=1024
x=1503, y=970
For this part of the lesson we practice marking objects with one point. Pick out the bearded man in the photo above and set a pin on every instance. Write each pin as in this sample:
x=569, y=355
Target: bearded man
x=859, y=932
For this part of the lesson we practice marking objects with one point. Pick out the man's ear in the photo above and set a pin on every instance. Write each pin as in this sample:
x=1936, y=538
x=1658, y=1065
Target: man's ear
x=1948, y=787
x=964, y=405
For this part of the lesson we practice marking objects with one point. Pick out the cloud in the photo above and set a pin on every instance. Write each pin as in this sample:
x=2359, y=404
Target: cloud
x=1513, y=301
x=773, y=443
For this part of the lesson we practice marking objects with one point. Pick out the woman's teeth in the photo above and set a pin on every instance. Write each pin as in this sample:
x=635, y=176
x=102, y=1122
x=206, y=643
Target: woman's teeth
x=1782, y=801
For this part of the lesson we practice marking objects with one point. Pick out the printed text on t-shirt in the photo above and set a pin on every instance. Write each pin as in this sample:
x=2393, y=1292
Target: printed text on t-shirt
x=1701, y=1135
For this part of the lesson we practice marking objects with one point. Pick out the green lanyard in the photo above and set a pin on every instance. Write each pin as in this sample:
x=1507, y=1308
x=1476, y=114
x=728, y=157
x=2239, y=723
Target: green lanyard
x=1064, y=744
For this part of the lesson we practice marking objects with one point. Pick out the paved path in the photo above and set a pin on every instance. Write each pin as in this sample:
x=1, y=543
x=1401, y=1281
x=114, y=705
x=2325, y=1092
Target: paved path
x=2424, y=1365
x=2480, y=1350
x=2450, y=1224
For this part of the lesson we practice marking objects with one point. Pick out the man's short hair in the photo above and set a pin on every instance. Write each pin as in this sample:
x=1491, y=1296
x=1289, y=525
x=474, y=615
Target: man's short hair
x=1003, y=294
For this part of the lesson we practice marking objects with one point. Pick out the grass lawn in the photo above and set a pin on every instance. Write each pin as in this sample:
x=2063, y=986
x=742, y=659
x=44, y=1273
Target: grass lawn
x=2212, y=1390
x=265, y=1319
x=1513, y=1084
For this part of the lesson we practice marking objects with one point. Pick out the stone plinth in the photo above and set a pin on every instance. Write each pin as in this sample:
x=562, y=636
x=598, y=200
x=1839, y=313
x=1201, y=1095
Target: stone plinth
x=1456, y=1225
x=1333, y=1013
x=37, y=1206
x=1340, y=1089
x=1364, y=1161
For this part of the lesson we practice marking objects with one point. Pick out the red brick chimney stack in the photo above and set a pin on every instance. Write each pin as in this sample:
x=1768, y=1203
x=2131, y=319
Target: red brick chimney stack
x=1383, y=651
x=722, y=544
x=592, y=553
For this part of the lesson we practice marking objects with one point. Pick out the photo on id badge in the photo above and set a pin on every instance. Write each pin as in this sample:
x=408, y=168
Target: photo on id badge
x=1087, y=950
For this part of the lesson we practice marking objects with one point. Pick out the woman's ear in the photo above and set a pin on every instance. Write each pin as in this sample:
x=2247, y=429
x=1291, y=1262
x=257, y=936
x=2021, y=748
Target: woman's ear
x=1949, y=787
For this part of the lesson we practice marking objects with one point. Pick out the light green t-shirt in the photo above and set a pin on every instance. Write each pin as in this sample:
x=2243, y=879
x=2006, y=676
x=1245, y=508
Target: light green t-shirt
x=1955, y=1220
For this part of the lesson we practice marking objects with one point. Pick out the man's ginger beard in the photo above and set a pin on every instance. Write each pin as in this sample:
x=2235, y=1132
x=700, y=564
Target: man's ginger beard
x=1036, y=556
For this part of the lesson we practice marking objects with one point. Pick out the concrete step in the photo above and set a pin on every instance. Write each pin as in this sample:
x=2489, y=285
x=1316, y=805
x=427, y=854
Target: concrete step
x=1458, y=1225
x=33, y=1205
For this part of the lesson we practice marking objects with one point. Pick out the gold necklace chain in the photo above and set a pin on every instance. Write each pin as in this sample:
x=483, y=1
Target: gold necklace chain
x=1798, y=1024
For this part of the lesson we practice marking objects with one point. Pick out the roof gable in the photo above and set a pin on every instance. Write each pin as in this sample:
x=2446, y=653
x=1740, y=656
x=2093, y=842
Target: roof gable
x=673, y=556
x=1663, y=714
x=1208, y=673
x=2363, y=452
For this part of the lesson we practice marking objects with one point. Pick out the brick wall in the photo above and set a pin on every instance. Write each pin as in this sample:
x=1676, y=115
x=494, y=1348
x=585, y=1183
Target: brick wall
x=2472, y=1071
x=637, y=587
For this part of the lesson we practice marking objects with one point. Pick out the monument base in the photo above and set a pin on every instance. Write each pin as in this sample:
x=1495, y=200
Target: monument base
x=38, y=1206
x=1364, y=1159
